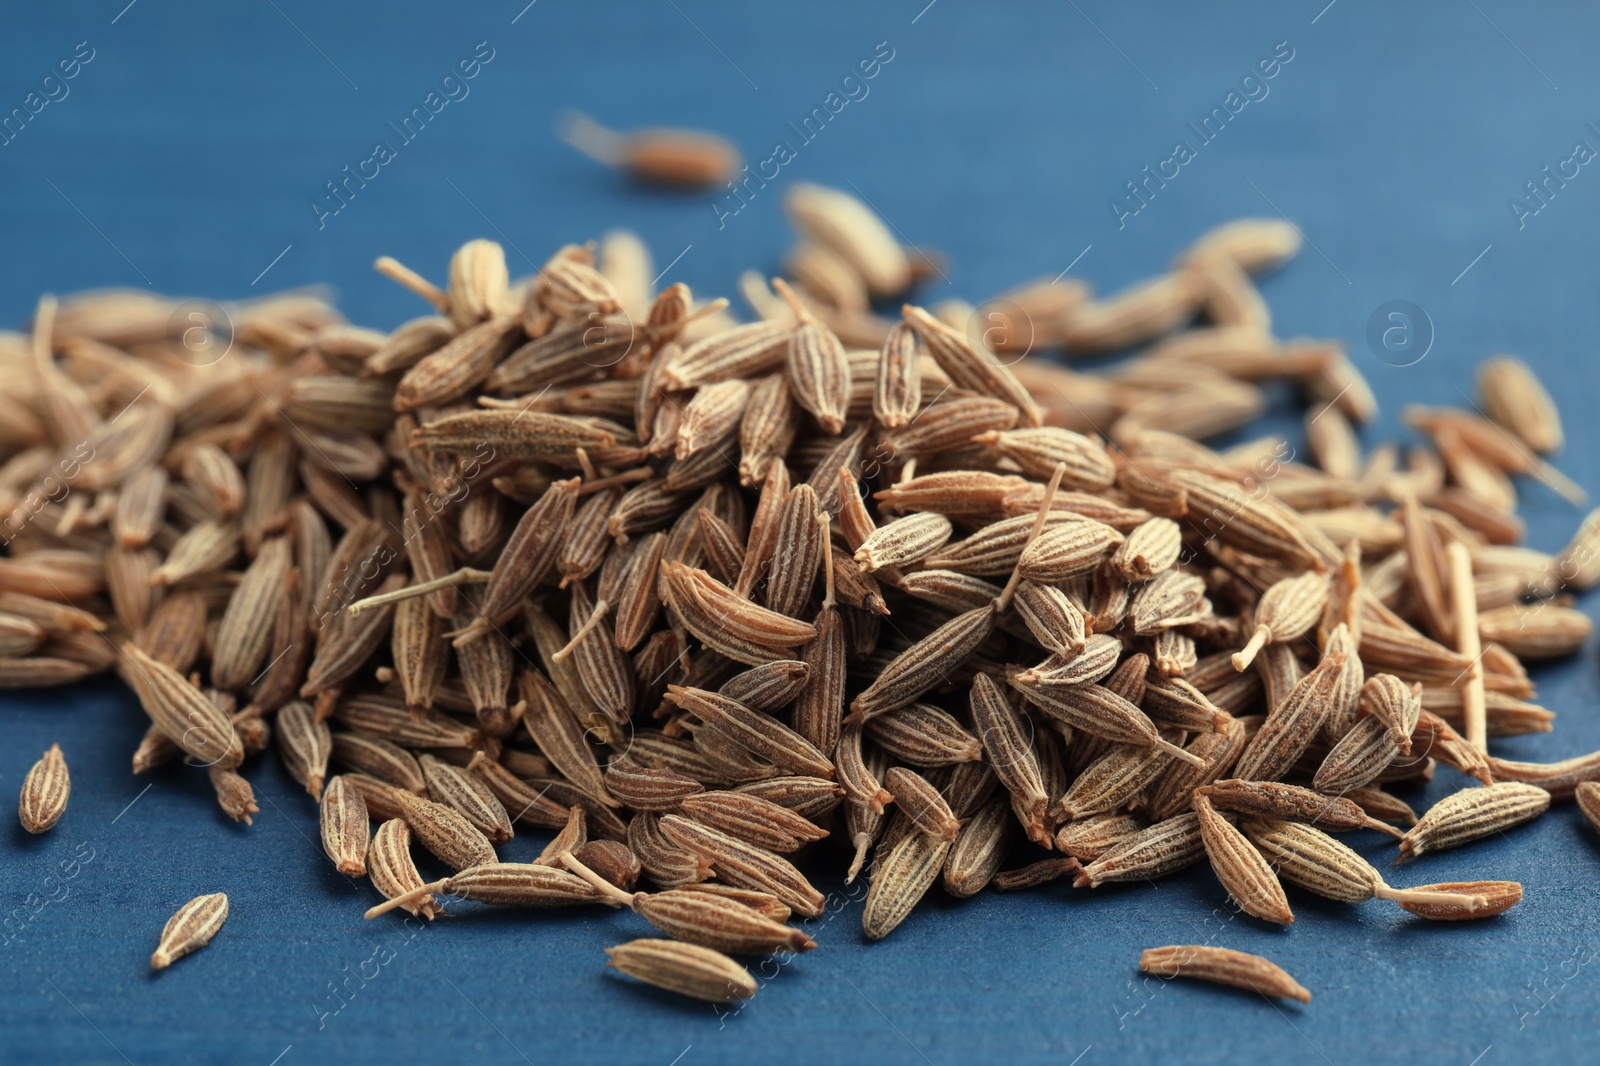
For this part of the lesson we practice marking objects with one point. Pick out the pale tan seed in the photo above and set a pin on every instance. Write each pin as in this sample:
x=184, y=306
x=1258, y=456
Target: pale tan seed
x=392, y=871
x=44, y=792
x=190, y=929
x=1471, y=814
x=245, y=635
x=1514, y=397
x=1286, y=612
x=1223, y=966
x=899, y=881
x=1488, y=898
x=182, y=712
x=1588, y=796
x=687, y=969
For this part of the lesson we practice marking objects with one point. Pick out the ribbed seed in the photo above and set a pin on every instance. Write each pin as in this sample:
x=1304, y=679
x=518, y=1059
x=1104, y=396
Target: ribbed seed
x=922, y=803
x=468, y=796
x=392, y=871
x=344, y=827
x=923, y=735
x=1091, y=837
x=1240, y=867
x=687, y=969
x=190, y=929
x=1150, y=549
x=1471, y=814
x=528, y=556
x=560, y=736
x=1162, y=849
x=1272, y=799
x=305, y=744
x=752, y=819
x=1287, y=611
x=924, y=664
x=452, y=839
x=182, y=712
x=1223, y=966
x=899, y=881
x=44, y=792
x=904, y=541
x=719, y=923
x=1292, y=725
x=744, y=865
x=648, y=788
x=969, y=368
x=753, y=730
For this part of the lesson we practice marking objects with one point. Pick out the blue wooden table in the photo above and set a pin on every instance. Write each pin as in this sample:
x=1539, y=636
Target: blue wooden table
x=190, y=148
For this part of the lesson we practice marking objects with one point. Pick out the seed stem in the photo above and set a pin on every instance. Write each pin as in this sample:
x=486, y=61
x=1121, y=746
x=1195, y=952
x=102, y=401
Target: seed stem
x=1247, y=654
x=595, y=615
x=1473, y=700
x=465, y=576
x=1004, y=599
x=410, y=897
x=407, y=278
x=614, y=895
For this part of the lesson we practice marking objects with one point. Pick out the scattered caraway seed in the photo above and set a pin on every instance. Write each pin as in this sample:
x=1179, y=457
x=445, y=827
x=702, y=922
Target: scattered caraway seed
x=190, y=929
x=580, y=555
x=1223, y=966
x=44, y=792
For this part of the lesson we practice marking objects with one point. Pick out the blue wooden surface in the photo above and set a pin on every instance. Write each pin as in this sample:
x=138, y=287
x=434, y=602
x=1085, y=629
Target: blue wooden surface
x=184, y=156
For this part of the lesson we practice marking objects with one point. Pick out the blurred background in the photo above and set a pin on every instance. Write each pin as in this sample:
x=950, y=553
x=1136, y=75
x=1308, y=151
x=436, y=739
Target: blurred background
x=191, y=150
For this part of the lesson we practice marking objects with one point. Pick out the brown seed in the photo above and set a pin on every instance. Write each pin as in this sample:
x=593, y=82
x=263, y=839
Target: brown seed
x=344, y=827
x=1588, y=796
x=452, y=839
x=468, y=796
x=757, y=732
x=743, y=864
x=190, y=929
x=753, y=819
x=234, y=794
x=1223, y=966
x=1497, y=896
x=44, y=792
x=1240, y=867
x=922, y=804
x=687, y=969
x=1162, y=849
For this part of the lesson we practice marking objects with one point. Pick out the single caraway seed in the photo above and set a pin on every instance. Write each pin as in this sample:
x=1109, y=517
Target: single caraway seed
x=392, y=871
x=1471, y=814
x=1247, y=876
x=687, y=969
x=1223, y=966
x=344, y=827
x=190, y=929
x=718, y=923
x=44, y=792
